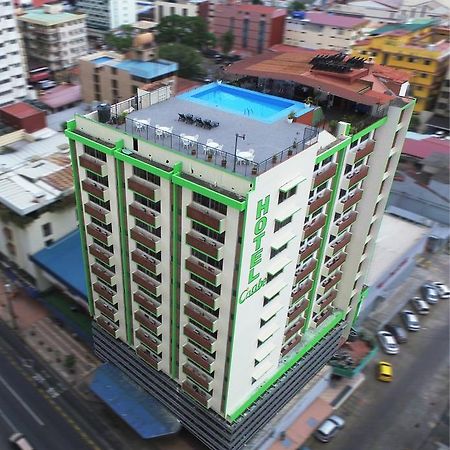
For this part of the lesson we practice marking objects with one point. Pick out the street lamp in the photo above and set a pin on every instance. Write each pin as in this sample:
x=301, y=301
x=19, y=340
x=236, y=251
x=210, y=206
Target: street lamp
x=238, y=136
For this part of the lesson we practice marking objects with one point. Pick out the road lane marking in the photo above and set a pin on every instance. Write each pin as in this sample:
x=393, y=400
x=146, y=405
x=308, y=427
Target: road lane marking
x=8, y=422
x=21, y=401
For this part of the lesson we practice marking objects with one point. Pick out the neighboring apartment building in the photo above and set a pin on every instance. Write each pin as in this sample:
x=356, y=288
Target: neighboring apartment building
x=441, y=117
x=321, y=30
x=53, y=38
x=13, y=78
x=106, y=15
x=255, y=27
x=219, y=284
x=185, y=8
x=418, y=46
x=109, y=77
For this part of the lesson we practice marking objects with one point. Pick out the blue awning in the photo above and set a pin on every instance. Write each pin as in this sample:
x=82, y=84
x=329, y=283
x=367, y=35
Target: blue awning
x=63, y=260
x=139, y=410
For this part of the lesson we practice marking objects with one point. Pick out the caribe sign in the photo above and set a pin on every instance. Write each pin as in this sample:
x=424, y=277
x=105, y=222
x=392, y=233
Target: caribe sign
x=262, y=209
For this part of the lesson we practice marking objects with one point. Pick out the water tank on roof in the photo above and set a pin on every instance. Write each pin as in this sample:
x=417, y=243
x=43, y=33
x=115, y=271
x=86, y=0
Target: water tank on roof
x=298, y=14
x=104, y=112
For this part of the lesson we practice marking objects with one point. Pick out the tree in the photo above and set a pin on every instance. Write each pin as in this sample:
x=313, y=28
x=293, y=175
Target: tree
x=227, y=42
x=296, y=6
x=257, y=2
x=121, y=39
x=189, y=31
x=189, y=60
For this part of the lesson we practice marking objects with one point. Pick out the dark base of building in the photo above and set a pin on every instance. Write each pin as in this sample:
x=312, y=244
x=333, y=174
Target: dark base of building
x=209, y=427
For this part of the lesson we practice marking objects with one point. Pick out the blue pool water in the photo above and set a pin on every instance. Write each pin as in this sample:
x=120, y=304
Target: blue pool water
x=102, y=59
x=254, y=105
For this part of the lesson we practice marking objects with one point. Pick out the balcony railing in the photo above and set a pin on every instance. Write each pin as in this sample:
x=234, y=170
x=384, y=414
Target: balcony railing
x=147, y=302
x=339, y=243
x=364, y=151
x=147, y=261
x=297, y=310
x=148, y=322
x=146, y=238
x=202, y=359
x=204, y=270
x=302, y=290
x=350, y=199
x=294, y=329
x=108, y=326
x=327, y=284
x=288, y=347
x=201, y=396
x=146, y=282
x=206, y=216
x=149, y=340
x=99, y=233
x=321, y=317
x=334, y=263
x=345, y=221
x=109, y=311
x=97, y=211
x=319, y=200
x=200, y=377
x=356, y=175
x=309, y=247
x=314, y=225
x=304, y=270
x=145, y=214
x=101, y=253
x=200, y=337
x=201, y=316
x=93, y=164
x=202, y=294
x=148, y=356
x=325, y=301
x=324, y=173
x=103, y=273
x=96, y=189
x=205, y=244
x=104, y=291
x=144, y=187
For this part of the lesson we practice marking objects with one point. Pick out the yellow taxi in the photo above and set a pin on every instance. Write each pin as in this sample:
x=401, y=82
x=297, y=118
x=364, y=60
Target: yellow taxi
x=385, y=372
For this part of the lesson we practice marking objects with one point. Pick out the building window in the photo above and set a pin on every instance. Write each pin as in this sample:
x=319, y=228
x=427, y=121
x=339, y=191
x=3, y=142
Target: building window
x=97, y=178
x=7, y=232
x=47, y=229
x=48, y=242
x=95, y=153
x=231, y=28
x=270, y=277
x=209, y=203
x=185, y=12
x=261, y=35
x=285, y=195
x=245, y=33
x=148, y=176
x=274, y=252
x=282, y=223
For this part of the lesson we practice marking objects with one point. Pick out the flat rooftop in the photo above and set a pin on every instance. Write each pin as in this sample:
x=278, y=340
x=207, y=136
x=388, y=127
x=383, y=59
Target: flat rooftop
x=40, y=16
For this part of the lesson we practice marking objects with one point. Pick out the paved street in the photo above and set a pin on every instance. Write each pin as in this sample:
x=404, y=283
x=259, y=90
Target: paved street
x=400, y=415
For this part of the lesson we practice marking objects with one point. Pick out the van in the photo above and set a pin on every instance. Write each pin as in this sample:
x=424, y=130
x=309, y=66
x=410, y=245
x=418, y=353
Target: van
x=20, y=442
x=385, y=371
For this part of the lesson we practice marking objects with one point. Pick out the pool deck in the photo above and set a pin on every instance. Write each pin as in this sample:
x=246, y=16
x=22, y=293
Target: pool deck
x=265, y=139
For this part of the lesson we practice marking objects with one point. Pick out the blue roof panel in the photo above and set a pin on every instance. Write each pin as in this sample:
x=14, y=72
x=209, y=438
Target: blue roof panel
x=139, y=410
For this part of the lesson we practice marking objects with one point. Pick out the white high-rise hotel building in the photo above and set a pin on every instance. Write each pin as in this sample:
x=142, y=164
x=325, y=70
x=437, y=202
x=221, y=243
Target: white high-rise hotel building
x=13, y=77
x=223, y=285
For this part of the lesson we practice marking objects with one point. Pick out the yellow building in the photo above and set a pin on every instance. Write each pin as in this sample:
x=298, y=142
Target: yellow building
x=419, y=46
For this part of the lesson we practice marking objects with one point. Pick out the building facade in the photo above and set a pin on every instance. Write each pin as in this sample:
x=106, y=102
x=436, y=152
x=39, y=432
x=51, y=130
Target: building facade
x=222, y=285
x=13, y=79
x=420, y=47
x=106, y=15
x=185, y=8
x=321, y=30
x=53, y=38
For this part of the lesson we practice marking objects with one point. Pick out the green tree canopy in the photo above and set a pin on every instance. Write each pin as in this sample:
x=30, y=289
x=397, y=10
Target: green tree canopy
x=188, y=59
x=296, y=6
x=190, y=31
x=121, y=39
x=226, y=42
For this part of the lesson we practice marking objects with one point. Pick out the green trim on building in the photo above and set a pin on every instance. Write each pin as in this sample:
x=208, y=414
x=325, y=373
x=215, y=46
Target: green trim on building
x=333, y=150
x=321, y=332
x=76, y=182
x=89, y=142
x=142, y=165
x=122, y=207
x=210, y=193
x=371, y=127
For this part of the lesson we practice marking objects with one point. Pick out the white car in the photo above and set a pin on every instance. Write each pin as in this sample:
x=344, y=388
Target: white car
x=329, y=428
x=421, y=306
x=410, y=320
x=442, y=289
x=388, y=342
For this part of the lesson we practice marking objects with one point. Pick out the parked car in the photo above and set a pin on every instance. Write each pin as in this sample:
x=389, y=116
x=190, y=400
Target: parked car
x=385, y=372
x=420, y=306
x=46, y=84
x=329, y=428
x=442, y=289
x=20, y=442
x=388, y=342
x=410, y=320
x=399, y=333
x=429, y=293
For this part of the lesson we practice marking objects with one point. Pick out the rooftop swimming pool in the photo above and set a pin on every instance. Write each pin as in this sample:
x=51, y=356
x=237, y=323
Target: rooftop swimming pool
x=254, y=105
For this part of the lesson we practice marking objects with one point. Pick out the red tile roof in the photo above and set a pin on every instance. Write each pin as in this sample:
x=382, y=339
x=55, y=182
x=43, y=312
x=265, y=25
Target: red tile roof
x=62, y=95
x=334, y=20
x=260, y=9
x=20, y=110
x=422, y=148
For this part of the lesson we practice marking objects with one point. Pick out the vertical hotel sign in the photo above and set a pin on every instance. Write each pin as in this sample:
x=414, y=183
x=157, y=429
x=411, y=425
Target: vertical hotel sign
x=255, y=281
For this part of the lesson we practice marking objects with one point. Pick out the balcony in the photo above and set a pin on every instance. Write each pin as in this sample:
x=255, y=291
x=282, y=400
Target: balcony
x=147, y=261
x=344, y=222
x=288, y=347
x=202, y=294
x=349, y=200
x=199, y=395
x=302, y=290
x=149, y=340
x=325, y=301
x=147, y=302
x=104, y=274
x=149, y=357
x=199, y=357
x=96, y=189
x=200, y=337
x=106, y=309
x=355, y=176
x=297, y=310
x=147, y=282
x=304, y=270
x=93, y=164
x=144, y=187
x=200, y=377
x=323, y=174
x=146, y=214
x=294, y=329
x=327, y=284
x=105, y=292
x=97, y=211
x=149, y=322
x=314, y=225
x=205, y=244
x=364, y=151
x=146, y=238
x=309, y=248
x=320, y=318
x=99, y=233
x=206, y=216
x=201, y=316
x=108, y=326
x=100, y=253
x=204, y=270
x=319, y=200
x=332, y=264
x=339, y=243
